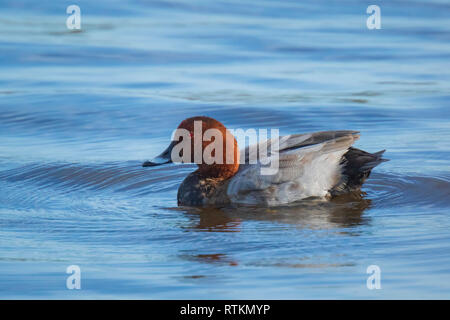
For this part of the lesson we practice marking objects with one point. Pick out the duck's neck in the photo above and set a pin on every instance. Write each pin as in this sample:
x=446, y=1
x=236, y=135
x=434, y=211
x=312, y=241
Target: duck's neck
x=218, y=171
x=227, y=168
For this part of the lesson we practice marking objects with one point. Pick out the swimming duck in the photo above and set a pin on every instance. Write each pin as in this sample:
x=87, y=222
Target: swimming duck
x=310, y=165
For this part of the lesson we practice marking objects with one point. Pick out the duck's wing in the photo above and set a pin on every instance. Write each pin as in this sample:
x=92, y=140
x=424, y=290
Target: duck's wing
x=299, y=166
x=296, y=141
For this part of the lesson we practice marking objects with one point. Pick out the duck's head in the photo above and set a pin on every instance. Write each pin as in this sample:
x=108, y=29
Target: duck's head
x=206, y=142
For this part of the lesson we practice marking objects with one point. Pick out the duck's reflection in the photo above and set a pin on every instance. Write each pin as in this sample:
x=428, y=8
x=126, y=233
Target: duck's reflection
x=218, y=258
x=341, y=212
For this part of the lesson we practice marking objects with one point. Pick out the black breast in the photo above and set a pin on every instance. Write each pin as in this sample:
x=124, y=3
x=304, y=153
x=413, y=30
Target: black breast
x=194, y=190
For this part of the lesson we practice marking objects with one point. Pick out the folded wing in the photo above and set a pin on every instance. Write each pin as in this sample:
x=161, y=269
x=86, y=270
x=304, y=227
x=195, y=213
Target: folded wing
x=297, y=167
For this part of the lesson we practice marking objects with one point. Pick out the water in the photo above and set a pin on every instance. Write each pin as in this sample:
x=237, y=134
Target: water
x=80, y=111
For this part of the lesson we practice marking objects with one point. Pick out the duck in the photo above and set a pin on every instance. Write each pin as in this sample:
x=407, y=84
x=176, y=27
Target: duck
x=316, y=165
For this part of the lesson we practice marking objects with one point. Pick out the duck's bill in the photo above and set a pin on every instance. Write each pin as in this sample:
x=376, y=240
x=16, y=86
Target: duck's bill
x=163, y=158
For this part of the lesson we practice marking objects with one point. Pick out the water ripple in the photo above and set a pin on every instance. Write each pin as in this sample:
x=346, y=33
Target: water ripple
x=385, y=189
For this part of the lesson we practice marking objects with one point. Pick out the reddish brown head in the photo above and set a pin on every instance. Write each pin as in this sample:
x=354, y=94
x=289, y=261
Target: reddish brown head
x=204, y=141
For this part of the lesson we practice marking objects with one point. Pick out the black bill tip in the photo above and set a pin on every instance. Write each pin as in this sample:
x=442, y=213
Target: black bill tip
x=156, y=162
x=149, y=164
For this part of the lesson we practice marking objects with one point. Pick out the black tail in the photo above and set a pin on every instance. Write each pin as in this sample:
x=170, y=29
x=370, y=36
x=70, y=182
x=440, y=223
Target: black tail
x=357, y=165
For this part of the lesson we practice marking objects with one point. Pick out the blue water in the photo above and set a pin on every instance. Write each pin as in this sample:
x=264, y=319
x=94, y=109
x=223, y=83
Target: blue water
x=80, y=111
